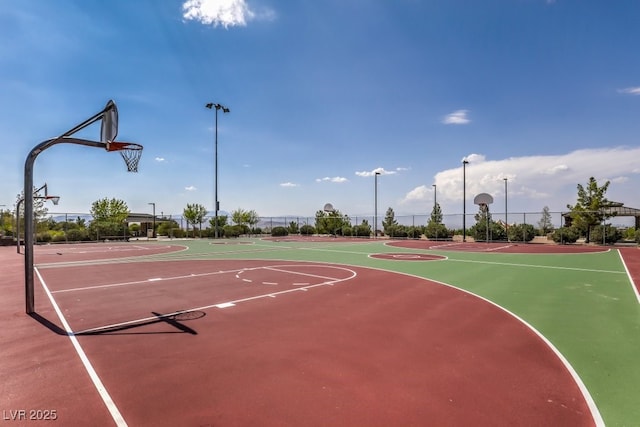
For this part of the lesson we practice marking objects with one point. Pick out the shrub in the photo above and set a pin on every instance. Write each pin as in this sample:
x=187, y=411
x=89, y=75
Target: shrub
x=438, y=230
x=522, y=232
x=414, y=232
x=77, y=235
x=362, y=230
x=279, y=231
x=637, y=238
x=231, y=231
x=307, y=230
x=178, y=233
x=59, y=238
x=565, y=235
x=611, y=235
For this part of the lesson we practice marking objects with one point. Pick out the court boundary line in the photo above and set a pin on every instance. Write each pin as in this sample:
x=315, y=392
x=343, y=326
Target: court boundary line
x=594, y=411
x=97, y=382
x=591, y=404
x=329, y=281
x=633, y=284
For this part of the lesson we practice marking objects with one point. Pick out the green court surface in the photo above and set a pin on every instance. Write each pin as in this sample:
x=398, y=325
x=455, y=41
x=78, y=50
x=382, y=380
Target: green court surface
x=584, y=304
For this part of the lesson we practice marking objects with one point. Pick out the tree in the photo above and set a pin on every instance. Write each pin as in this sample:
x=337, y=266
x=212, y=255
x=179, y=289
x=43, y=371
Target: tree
x=194, y=214
x=245, y=219
x=222, y=225
x=252, y=218
x=39, y=208
x=435, y=229
x=6, y=222
x=293, y=228
x=481, y=230
x=545, y=224
x=389, y=224
x=167, y=227
x=109, y=216
x=362, y=230
x=589, y=208
x=331, y=222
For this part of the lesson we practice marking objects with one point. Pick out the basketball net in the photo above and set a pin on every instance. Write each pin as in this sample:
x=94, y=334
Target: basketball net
x=129, y=151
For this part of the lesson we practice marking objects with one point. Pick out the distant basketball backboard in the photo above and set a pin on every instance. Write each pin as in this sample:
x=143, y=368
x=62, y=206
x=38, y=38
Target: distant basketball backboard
x=483, y=199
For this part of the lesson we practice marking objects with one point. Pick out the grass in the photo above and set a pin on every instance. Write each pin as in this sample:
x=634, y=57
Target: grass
x=582, y=303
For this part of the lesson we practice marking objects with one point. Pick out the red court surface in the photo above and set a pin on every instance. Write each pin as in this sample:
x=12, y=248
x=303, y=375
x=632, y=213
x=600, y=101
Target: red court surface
x=271, y=343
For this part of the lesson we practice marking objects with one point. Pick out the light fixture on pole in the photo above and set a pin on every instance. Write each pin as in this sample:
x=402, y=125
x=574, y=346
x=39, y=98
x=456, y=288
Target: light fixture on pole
x=215, y=202
x=506, y=221
x=153, y=231
x=464, y=199
x=375, y=208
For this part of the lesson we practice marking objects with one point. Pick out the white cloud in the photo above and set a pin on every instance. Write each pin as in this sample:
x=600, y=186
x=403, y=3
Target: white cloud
x=619, y=180
x=458, y=117
x=159, y=159
x=553, y=170
x=631, y=90
x=225, y=13
x=190, y=188
x=419, y=193
x=337, y=179
x=289, y=184
x=379, y=171
x=533, y=181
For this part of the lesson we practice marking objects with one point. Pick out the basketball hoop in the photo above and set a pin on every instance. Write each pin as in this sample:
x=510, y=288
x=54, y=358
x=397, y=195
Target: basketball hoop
x=54, y=199
x=130, y=152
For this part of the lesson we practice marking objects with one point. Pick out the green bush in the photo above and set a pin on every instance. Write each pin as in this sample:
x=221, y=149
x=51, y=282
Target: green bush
x=438, y=230
x=414, y=232
x=279, y=232
x=59, y=238
x=611, y=235
x=77, y=235
x=178, y=233
x=231, y=231
x=521, y=232
x=637, y=237
x=44, y=237
x=307, y=230
x=565, y=235
x=362, y=230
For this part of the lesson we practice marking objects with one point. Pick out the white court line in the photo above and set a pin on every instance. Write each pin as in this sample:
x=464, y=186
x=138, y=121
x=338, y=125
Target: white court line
x=144, y=281
x=102, y=391
x=218, y=304
x=537, y=266
x=633, y=285
x=498, y=248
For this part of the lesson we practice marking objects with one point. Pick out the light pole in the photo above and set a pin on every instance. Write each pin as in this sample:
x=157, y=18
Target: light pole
x=464, y=200
x=375, y=208
x=506, y=220
x=153, y=231
x=216, y=203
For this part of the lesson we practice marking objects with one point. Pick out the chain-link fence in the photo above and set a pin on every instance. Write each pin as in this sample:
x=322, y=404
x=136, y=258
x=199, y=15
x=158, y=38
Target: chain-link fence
x=66, y=226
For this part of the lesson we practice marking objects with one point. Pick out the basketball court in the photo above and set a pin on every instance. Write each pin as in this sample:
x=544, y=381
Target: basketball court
x=257, y=342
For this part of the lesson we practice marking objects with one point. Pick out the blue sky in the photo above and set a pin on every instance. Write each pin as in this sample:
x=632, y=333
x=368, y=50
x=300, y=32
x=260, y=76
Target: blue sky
x=323, y=93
